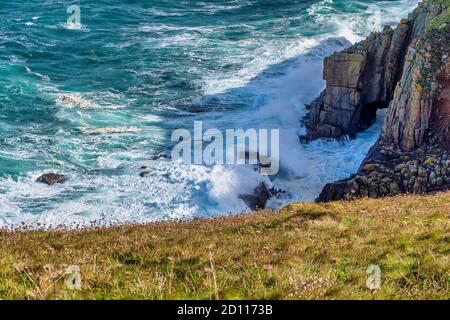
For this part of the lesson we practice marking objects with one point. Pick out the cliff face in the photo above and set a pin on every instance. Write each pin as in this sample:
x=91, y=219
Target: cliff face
x=412, y=154
x=363, y=78
x=421, y=96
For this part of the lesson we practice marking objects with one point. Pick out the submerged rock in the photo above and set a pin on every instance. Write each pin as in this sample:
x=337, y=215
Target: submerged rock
x=51, y=178
x=259, y=198
x=144, y=174
x=162, y=155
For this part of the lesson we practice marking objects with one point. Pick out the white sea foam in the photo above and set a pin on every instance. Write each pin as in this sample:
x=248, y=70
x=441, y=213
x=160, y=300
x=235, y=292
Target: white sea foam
x=171, y=191
x=74, y=26
x=176, y=191
x=167, y=27
x=72, y=100
x=160, y=13
x=115, y=194
x=356, y=26
x=109, y=130
x=305, y=169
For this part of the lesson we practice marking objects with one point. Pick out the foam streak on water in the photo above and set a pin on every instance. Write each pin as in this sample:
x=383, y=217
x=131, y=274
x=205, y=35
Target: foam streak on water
x=99, y=101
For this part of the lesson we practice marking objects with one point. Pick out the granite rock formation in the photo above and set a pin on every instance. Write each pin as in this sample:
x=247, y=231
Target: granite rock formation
x=363, y=78
x=412, y=154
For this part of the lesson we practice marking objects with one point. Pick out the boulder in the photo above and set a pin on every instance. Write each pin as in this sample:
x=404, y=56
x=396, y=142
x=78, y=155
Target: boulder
x=51, y=178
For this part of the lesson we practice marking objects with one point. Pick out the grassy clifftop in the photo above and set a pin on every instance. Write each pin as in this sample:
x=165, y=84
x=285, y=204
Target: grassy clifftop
x=315, y=251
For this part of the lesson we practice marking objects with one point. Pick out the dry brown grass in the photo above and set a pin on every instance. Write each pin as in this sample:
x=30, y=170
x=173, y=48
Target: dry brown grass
x=306, y=251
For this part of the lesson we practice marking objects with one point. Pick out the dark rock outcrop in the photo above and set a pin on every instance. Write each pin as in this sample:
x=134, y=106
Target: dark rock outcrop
x=51, y=178
x=363, y=78
x=258, y=199
x=389, y=172
x=144, y=174
x=412, y=154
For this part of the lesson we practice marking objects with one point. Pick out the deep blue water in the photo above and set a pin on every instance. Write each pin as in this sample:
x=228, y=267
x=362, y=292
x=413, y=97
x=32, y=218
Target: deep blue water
x=143, y=68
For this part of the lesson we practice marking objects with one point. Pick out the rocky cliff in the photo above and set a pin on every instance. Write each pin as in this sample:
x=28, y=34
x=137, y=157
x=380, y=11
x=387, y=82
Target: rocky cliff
x=362, y=78
x=407, y=69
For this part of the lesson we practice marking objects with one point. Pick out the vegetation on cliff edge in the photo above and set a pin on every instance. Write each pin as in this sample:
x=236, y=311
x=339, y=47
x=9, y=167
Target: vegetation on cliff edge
x=306, y=251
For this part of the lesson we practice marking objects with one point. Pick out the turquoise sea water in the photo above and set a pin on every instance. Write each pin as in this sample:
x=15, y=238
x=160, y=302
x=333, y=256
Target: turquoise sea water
x=143, y=68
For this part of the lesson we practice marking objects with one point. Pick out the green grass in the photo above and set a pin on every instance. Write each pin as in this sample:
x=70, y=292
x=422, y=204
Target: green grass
x=444, y=17
x=306, y=251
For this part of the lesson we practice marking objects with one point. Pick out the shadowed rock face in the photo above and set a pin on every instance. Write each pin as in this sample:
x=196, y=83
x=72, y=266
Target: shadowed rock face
x=259, y=198
x=363, y=78
x=440, y=118
x=412, y=154
x=419, y=110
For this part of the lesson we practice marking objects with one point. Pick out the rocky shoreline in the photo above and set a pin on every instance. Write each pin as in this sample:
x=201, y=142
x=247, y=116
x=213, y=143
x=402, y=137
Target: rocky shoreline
x=389, y=172
x=406, y=69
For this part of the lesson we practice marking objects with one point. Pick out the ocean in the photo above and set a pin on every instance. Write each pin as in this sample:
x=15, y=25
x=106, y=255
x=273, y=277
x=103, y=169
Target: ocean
x=97, y=99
